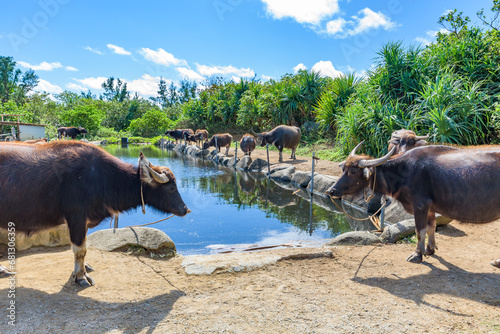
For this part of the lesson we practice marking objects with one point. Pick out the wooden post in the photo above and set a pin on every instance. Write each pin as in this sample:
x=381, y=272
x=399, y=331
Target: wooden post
x=235, y=152
x=116, y=222
x=216, y=147
x=268, y=166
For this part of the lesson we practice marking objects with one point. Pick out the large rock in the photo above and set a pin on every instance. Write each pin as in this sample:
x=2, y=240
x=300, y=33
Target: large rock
x=257, y=165
x=192, y=150
x=282, y=173
x=301, y=178
x=322, y=183
x=398, y=231
x=201, y=153
x=358, y=238
x=57, y=236
x=149, y=238
x=244, y=163
x=395, y=212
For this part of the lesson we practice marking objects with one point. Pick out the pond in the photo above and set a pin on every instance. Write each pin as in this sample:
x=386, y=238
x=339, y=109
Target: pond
x=232, y=209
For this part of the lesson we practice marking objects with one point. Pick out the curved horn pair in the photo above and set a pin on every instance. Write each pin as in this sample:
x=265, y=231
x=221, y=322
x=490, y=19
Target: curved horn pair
x=255, y=134
x=372, y=162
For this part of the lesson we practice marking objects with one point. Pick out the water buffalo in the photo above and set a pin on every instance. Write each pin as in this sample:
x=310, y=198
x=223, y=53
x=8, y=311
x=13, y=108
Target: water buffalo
x=70, y=132
x=223, y=139
x=78, y=184
x=175, y=134
x=282, y=136
x=188, y=135
x=201, y=135
x=461, y=184
x=404, y=140
x=247, y=144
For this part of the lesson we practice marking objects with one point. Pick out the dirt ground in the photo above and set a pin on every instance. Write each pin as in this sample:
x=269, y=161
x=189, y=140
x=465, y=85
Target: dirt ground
x=364, y=289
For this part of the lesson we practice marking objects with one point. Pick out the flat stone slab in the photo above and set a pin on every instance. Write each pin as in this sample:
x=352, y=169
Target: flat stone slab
x=398, y=231
x=52, y=237
x=150, y=238
x=359, y=238
x=238, y=262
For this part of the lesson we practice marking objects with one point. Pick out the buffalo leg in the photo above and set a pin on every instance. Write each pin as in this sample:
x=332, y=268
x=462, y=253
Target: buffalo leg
x=281, y=155
x=227, y=149
x=421, y=213
x=293, y=154
x=78, y=236
x=431, y=234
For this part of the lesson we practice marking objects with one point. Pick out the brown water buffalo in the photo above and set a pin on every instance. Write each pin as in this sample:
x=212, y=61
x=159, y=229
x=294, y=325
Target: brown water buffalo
x=404, y=140
x=201, y=135
x=188, y=135
x=70, y=132
x=223, y=139
x=247, y=144
x=78, y=184
x=282, y=136
x=462, y=184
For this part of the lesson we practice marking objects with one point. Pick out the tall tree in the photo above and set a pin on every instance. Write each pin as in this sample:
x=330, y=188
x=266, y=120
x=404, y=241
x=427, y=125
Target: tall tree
x=115, y=92
x=14, y=85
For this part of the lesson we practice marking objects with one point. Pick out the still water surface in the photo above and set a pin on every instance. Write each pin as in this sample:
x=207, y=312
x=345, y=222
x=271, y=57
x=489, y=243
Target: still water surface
x=231, y=210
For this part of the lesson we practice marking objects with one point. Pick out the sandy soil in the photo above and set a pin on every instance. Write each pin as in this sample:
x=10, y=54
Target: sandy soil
x=366, y=289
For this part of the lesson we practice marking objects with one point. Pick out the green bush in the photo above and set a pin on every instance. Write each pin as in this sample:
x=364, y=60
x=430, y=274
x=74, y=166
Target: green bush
x=153, y=123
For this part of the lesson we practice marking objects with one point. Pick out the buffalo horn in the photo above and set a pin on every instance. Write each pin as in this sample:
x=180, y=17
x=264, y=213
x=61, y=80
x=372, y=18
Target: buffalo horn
x=375, y=162
x=353, y=152
x=421, y=137
x=160, y=178
x=255, y=134
x=395, y=135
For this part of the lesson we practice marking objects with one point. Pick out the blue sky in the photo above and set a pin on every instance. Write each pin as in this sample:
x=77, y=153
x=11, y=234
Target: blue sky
x=74, y=45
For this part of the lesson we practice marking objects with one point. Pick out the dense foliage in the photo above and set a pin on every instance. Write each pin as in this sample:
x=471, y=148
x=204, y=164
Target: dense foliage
x=448, y=89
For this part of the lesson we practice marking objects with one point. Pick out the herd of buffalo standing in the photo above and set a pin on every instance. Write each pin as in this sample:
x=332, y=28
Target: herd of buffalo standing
x=80, y=184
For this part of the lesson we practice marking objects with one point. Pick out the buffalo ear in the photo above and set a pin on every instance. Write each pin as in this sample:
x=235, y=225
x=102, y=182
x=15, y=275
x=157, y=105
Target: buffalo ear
x=148, y=174
x=421, y=143
x=367, y=172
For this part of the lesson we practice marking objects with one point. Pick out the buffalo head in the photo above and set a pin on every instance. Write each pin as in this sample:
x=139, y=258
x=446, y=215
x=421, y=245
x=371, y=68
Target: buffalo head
x=404, y=140
x=160, y=188
x=357, y=172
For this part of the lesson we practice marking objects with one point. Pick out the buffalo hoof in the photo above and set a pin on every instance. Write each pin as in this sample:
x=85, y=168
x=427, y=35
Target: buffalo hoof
x=429, y=251
x=415, y=258
x=85, y=282
x=495, y=263
x=88, y=268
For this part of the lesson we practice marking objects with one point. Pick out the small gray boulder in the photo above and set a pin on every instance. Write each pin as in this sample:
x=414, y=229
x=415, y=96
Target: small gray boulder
x=398, y=231
x=358, y=238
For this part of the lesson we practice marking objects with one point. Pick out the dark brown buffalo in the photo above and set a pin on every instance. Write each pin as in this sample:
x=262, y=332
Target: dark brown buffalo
x=223, y=139
x=176, y=134
x=70, y=132
x=247, y=144
x=188, y=135
x=77, y=184
x=282, y=136
x=404, y=140
x=461, y=184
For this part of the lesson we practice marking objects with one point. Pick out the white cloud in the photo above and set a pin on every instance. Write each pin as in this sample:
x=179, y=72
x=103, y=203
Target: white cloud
x=299, y=67
x=308, y=12
x=367, y=20
x=44, y=66
x=335, y=26
x=74, y=86
x=93, y=83
x=190, y=74
x=326, y=69
x=266, y=77
x=371, y=20
x=430, y=36
x=224, y=70
x=118, y=50
x=147, y=85
x=161, y=57
x=236, y=79
x=88, y=48
x=45, y=86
